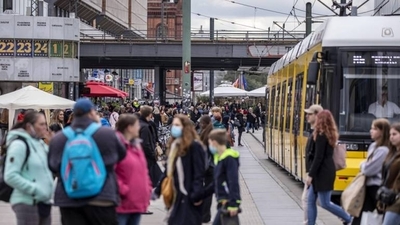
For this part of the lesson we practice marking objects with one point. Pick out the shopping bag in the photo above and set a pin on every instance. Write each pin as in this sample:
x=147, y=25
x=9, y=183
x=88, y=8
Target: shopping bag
x=353, y=196
x=371, y=218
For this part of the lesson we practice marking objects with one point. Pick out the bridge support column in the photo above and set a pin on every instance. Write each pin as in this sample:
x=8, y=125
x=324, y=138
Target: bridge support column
x=160, y=84
x=211, y=96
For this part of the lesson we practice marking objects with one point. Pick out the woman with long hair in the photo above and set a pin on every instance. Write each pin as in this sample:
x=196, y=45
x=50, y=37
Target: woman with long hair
x=391, y=177
x=132, y=174
x=27, y=172
x=186, y=167
x=372, y=167
x=58, y=117
x=322, y=173
x=206, y=127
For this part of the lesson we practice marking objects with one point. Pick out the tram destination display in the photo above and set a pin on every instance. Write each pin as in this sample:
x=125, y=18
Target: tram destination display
x=391, y=59
x=41, y=49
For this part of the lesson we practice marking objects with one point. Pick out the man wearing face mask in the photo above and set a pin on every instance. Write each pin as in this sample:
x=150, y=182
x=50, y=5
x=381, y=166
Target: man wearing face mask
x=98, y=210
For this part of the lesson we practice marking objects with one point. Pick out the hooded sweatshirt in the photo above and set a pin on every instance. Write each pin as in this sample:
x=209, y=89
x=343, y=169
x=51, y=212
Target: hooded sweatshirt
x=32, y=182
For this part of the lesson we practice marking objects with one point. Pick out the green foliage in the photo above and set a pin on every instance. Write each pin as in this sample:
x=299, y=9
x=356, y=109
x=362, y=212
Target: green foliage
x=254, y=80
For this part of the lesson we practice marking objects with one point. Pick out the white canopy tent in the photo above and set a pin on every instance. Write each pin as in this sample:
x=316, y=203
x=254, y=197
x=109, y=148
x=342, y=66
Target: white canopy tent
x=31, y=98
x=226, y=90
x=259, y=92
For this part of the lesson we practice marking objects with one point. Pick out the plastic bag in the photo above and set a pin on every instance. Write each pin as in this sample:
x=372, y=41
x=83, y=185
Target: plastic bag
x=371, y=218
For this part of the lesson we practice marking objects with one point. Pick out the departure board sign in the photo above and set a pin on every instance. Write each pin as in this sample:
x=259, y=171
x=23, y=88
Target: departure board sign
x=39, y=49
x=24, y=48
x=391, y=59
x=56, y=49
x=7, y=47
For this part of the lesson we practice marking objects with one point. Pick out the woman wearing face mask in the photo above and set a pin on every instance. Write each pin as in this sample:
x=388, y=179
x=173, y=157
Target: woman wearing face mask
x=26, y=170
x=186, y=165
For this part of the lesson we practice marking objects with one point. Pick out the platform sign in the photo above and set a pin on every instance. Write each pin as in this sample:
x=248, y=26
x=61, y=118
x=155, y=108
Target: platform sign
x=68, y=49
x=41, y=48
x=24, y=48
x=56, y=49
x=7, y=47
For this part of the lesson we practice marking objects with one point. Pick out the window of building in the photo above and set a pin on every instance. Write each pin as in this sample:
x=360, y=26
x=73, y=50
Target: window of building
x=162, y=31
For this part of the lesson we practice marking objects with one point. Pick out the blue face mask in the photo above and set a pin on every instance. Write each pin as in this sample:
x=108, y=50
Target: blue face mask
x=213, y=149
x=176, y=131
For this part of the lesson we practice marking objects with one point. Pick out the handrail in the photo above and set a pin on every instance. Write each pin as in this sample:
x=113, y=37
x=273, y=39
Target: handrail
x=197, y=35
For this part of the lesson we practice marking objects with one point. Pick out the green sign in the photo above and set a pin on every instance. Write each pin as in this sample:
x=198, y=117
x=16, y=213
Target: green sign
x=56, y=49
x=68, y=49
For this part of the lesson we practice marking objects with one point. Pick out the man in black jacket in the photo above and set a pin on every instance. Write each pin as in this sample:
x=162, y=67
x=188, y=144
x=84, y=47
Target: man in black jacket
x=148, y=137
x=311, y=115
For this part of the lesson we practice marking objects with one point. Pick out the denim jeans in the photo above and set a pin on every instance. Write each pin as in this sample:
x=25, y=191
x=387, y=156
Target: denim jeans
x=129, y=218
x=325, y=202
x=248, y=126
x=391, y=218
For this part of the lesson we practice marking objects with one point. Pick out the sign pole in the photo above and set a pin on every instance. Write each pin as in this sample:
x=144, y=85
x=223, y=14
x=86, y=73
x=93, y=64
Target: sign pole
x=186, y=54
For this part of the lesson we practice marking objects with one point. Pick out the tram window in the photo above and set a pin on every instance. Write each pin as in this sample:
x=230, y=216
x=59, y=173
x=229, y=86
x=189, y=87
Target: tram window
x=282, y=111
x=369, y=93
x=310, y=99
x=272, y=109
x=289, y=105
x=277, y=107
x=297, y=104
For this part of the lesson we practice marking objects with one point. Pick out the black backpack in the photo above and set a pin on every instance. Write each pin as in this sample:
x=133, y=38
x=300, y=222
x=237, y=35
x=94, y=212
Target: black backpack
x=5, y=189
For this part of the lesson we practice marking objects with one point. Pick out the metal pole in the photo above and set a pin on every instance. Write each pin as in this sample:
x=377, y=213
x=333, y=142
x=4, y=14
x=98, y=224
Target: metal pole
x=162, y=20
x=212, y=29
x=354, y=10
x=308, y=18
x=343, y=1
x=211, y=85
x=186, y=48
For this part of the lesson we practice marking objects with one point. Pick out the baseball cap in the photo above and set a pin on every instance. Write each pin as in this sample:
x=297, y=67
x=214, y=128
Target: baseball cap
x=314, y=109
x=83, y=106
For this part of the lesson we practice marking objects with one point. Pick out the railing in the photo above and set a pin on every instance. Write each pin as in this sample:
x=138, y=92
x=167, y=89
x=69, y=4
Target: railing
x=197, y=36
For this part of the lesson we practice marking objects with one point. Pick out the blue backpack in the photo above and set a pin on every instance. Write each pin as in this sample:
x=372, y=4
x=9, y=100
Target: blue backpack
x=83, y=172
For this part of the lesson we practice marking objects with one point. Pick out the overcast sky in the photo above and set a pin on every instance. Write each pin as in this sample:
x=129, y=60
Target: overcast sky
x=259, y=19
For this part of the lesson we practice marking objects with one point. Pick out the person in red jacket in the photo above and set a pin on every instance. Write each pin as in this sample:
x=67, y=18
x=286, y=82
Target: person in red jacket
x=134, y=183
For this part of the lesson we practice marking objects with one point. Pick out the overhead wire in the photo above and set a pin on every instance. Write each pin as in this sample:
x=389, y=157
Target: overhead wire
x=230, y=22
x=256, y=7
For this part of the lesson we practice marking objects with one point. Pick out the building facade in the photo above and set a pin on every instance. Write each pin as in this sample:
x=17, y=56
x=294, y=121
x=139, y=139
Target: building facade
x=164, y=22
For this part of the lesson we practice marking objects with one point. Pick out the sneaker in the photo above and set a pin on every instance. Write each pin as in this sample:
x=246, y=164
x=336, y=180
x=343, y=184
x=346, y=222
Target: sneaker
x=148, y=213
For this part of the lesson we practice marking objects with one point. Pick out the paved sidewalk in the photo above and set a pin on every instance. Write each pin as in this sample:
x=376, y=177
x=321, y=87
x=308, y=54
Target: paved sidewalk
x=293, y=187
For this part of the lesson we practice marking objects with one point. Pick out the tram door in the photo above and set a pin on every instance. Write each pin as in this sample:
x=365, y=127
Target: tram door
x=271, y=121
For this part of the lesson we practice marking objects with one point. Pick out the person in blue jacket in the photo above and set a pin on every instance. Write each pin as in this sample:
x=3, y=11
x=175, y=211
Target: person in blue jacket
x=226, y=175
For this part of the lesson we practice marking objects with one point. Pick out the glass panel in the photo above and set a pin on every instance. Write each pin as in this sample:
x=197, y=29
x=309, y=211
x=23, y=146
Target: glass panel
x=369, y=93
x=289, y=104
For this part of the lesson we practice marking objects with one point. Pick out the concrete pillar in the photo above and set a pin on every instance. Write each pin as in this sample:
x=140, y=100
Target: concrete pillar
x=187, y=55
x=160, y=84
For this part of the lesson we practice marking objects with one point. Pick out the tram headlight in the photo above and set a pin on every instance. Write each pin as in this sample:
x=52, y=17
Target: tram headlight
x=352, y=146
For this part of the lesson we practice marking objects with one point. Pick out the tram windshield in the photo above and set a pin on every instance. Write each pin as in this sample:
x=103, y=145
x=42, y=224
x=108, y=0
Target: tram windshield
x=371, y=89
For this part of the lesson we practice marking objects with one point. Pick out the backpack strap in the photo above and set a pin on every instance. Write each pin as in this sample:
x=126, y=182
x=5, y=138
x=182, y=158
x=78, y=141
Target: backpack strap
x=69, y=132
x=91, y=129
x=28, y=152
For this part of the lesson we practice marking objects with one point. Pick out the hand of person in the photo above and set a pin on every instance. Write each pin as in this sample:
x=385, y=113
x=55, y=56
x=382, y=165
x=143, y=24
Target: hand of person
x=233, y=212
x=308, y=180
x=198, y=203
x=154, y=196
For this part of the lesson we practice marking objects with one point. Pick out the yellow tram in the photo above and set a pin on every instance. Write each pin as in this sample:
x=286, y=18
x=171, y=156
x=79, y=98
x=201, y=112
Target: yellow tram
x=342, y=65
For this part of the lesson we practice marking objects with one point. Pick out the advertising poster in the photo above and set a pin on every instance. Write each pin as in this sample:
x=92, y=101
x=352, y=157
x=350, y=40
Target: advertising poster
x=198, y=81
x=46, y=86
